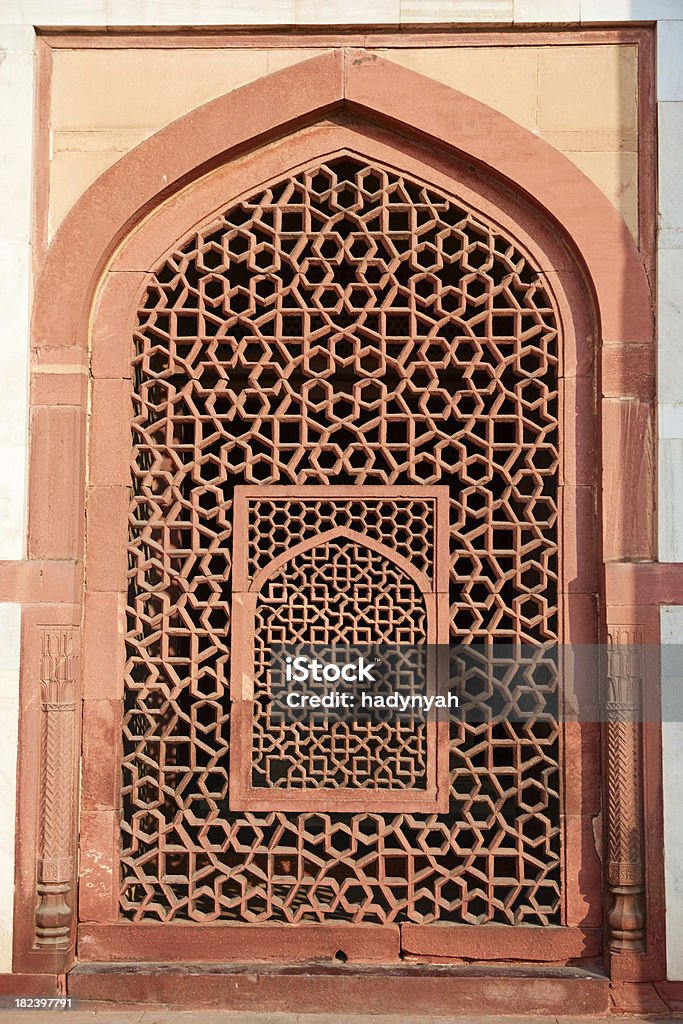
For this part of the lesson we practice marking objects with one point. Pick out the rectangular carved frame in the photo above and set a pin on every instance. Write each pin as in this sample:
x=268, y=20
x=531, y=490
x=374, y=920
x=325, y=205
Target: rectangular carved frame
x=243, y=795
x=49, y=584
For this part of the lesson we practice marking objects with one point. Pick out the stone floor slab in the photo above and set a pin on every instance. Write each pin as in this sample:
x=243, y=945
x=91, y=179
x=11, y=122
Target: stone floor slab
x=359, y=1018
x=160, y=1016
x=217, y=1017
x=503, y=1020
x=83, y=1016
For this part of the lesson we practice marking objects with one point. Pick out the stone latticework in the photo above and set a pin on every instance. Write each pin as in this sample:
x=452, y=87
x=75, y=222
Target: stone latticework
x=348, y=326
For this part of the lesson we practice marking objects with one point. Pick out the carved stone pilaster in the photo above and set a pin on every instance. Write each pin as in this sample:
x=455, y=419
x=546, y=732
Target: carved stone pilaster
x=625, y=876
x=56, y=855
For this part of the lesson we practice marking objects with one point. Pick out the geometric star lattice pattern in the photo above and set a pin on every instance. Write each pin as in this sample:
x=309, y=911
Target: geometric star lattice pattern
x=346, y=593
x=346, y=325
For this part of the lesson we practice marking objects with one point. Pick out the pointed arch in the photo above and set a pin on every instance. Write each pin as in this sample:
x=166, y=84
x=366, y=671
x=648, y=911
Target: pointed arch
x=418, y=578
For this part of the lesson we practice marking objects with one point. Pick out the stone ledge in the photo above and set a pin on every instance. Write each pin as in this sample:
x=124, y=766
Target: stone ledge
x=264, y=988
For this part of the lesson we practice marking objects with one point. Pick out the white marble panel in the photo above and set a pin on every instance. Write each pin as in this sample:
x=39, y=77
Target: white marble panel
x=15, y=306
x=346, y=12
x=670, y=499
x=199, y=12
x=457, y=11
x=629, y=10
x=55, y=12
x=12, y=501
x=9, y=712
x=10, y=639
x=270, y=12
x=670, y=130
x=670, y=59
x=9, y=683
x=275, y=12
x=548, y=11
x=16, y=38
x=15, y=195
x=17, y=69
x=670, y=317
x=16, y=130
x=671, y=621
x=671, y=420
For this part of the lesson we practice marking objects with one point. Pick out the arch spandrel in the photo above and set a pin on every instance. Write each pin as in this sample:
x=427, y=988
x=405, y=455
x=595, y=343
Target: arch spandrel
x=384, y=94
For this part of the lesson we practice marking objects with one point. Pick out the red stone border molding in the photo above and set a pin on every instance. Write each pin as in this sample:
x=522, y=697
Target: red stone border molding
x=449, y=125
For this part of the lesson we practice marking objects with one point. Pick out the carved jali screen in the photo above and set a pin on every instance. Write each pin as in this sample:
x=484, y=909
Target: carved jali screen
x=319, y=567
x=354, y=329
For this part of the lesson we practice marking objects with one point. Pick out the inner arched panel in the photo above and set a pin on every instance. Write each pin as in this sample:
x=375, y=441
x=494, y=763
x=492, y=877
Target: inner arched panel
x=346, y=325
x=339, y=593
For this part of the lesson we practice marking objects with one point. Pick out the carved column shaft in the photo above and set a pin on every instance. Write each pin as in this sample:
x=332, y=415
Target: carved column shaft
x=57, y=781
x=625, y=877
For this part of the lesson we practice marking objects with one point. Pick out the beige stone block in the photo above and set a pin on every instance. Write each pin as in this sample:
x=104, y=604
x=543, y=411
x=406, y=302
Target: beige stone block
x=504, y=78
x=115, y=140
x=79, y=159
x=599, y=141
x=280, y=58
x=71, y=174
x=81, y=154
x=588, y=87
x=615, y=174
x=144, y=88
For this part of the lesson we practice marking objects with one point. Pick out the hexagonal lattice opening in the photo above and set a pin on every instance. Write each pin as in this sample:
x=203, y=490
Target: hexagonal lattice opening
x=343, y=273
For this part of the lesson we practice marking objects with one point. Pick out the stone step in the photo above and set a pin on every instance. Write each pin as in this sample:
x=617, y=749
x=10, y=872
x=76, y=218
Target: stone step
x=421, y=989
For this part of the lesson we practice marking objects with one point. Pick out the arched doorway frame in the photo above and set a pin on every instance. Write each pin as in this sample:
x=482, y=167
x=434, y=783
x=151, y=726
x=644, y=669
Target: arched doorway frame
x=387, y=96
